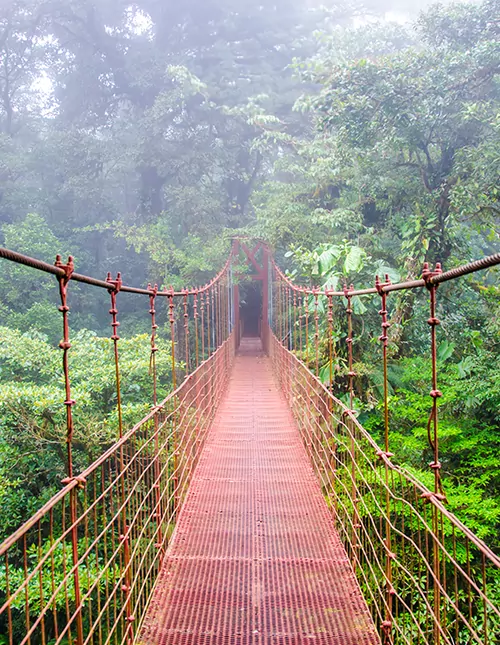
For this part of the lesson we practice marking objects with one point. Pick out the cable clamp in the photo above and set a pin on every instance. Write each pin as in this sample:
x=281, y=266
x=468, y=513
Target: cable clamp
x=125, y=536
x=427, y=275
x=382, y=454
x=379, y=286
x=114, y=285
x=68, y=268
x=346, y=291
x=81, y=481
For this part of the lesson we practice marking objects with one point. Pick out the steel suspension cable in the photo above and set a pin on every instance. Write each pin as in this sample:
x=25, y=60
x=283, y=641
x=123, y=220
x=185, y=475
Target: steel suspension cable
x=472, y=267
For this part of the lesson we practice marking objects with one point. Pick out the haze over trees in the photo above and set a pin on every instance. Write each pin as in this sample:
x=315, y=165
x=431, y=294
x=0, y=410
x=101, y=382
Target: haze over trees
x=141, y=136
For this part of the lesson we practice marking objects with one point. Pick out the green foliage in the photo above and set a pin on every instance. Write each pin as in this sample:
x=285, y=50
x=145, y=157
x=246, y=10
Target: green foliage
x=53, y=574
x=468, y=431
x=21, y=287
x=402, y=167
x=331, y=266
x=32, y=417
x=140, y=133
x=404, y=158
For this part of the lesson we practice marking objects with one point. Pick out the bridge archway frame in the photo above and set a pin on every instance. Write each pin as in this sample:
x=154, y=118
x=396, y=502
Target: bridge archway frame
x=250, y=249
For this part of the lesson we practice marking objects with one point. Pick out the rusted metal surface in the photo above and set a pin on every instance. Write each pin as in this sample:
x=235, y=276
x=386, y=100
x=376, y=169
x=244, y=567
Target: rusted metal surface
x=255, y=557
x=58, y=271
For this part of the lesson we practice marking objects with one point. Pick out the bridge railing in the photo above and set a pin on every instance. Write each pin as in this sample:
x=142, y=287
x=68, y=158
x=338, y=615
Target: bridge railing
x=82, y=568
x=426, y=577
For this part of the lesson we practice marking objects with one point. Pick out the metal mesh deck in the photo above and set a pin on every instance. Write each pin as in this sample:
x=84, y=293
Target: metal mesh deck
x=255, y=558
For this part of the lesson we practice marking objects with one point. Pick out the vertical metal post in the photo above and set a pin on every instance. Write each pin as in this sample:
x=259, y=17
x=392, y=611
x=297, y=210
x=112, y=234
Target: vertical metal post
x=271, y=287
x=154, y=349
x=434, y=393
x=186, y=330
x=333, y=446
x=209, y=320
x=202, y=308
x=278, y=308
x=220, y=312
x=316, y=330
x=230, y=303
x=171, y=320
x=157, y=470
x=114, y=288
x=351, y=426
x=330, y=340
x=217, y=316
x=433, y=438
x=385, y=455
x=301, y=317
x=294, y=340
x=236, y=300
x=306, y=314
x=349, y=340
x=196, y=342
x=214, y=319
x=65, y=345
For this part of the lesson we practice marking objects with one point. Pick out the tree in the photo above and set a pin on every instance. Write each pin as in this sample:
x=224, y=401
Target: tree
x=403, y=160
x=406, y=123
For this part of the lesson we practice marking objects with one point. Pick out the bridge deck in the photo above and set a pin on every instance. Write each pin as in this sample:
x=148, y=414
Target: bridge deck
x=255, y=558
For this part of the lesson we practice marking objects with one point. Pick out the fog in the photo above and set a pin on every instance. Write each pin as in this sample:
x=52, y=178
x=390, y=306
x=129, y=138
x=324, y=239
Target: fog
x=142, y=135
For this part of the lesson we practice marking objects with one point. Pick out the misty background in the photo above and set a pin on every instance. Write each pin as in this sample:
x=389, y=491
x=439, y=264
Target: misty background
x=139, y=136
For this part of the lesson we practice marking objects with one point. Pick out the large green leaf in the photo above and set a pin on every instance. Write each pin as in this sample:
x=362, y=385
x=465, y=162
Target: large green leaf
x=355, y=260
x=328, y=259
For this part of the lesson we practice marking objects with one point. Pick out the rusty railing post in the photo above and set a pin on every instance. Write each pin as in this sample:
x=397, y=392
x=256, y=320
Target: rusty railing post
x=433, y=438
x=385, y=455
x=65, y=345
x=114, y=288
x=157, y=469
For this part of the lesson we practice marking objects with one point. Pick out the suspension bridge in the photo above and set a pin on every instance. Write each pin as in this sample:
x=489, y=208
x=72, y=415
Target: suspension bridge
x=249, y=506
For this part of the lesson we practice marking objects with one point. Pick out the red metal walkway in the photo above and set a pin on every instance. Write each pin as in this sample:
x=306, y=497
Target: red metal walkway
x=255, y=557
